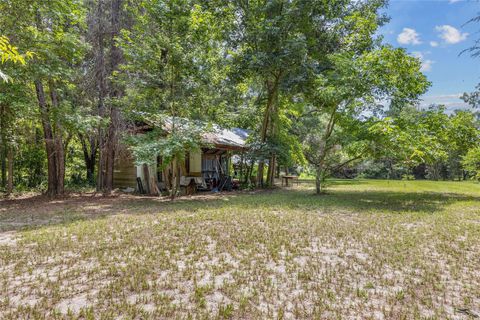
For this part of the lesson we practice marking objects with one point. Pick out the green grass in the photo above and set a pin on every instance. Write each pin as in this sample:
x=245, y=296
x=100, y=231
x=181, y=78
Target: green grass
x=366, y=250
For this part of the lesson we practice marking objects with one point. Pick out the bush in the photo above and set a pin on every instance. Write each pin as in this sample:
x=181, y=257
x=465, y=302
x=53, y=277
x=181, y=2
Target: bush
x=471, y=162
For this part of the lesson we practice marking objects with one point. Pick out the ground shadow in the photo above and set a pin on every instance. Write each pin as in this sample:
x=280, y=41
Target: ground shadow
x=339, y=200
x=347, y=182
x=39, y=211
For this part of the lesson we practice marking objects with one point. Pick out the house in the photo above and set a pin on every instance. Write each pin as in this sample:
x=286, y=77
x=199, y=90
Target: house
x=206, y=169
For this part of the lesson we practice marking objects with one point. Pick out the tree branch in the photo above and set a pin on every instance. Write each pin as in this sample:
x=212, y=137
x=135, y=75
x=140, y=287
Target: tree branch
x=346, y=162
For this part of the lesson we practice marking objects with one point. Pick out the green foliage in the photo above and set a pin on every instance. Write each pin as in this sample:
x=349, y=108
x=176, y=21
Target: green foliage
x=407, y=177
x=473, y=98
x=306, y=78
x=413, y=136
x=171, y=139
x=30, y=165
x=10, y=53
x=340, y=109
x=53, y=31
x=471, y=162
x=173, y=72
x=172, y=60
x=427, y=136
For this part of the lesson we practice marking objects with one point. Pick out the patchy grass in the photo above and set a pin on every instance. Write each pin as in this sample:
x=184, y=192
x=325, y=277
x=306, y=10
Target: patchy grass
x=367, y=249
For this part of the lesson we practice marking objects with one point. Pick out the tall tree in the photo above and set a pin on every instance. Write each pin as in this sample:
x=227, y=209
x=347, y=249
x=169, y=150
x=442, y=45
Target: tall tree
x=172, y=55
x=278, y=45
x=52, y=30
x=346, y=85
x=8, y=53
x=9, y=97
x=340, y=109
x=106, y=19
x=14, y=116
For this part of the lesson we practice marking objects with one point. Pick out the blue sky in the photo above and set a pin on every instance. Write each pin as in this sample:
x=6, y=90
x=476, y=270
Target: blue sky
x=435, y=31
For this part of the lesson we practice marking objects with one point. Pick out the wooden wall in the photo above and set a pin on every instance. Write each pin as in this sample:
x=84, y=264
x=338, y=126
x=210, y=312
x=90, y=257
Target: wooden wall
x=125, y=172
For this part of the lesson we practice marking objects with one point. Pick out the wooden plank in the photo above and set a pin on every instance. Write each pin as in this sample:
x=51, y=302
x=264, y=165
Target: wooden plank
x=125, y=172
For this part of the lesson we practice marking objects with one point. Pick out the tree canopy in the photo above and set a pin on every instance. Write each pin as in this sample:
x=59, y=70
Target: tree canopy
x=311, y=80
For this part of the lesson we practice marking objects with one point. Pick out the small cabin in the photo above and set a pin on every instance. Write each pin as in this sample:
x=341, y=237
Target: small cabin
x=206, y=169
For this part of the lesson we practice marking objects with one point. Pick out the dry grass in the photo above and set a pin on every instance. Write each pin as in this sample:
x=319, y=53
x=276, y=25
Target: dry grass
x=366, y=250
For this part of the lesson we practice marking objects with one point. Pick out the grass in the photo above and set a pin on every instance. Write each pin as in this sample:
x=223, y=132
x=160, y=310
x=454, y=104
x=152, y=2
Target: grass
x=366, y=250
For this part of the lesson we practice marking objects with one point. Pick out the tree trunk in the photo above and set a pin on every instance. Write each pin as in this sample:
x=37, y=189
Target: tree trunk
x=58, y=143
x=10, y=171
x=90, y=159
x=175, y=179
x=261, y=165
x=249, y=178
x=271, y=94
x=153, y=186
x=101, y=82
x=109, y=153
x=36, y=175
x=90, y=149
x=248, y=171
x=52, y=132
x=435, y=172
x=146, y=175
x=271, y=170
x=167, y=178
x=319, y=178
x=108, y=143
x=242, y=166
x=53, y=143
x=177, y=183
x=90, y=170
x=3, y=155
x=115, y=93
x=3, y=146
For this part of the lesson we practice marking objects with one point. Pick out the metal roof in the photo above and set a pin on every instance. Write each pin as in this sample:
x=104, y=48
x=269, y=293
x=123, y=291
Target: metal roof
x=234, y=137
x=218, y=136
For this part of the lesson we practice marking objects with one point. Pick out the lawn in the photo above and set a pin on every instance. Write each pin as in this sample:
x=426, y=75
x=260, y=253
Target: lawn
x=365, y=250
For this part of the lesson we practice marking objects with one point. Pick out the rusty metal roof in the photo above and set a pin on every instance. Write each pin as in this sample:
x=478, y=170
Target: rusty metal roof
x=234, y=138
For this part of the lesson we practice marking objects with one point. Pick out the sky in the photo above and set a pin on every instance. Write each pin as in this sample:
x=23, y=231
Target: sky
x=436, y=32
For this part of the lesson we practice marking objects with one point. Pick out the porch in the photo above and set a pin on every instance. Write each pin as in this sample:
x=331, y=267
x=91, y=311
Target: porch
x=207, y=169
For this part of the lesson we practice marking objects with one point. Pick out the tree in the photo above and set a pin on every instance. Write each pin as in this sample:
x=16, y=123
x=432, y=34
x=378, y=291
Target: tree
x=171, y=74
x=14, y=118
x=8, y=53
x=105, y=20
x=462, y=136
x=272, y=44
x=52, y=30
x=430, y=137
x=471, y=162
x=342, y=103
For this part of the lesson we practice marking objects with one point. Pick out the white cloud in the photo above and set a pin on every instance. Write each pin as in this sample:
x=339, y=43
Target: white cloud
x=453, y=1
x=409, y=36
x=451, y=101
x=434, y=43
x=450, y=34
x=426, y=63
x=447, y=96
